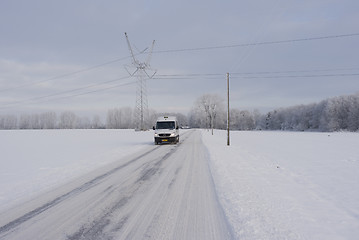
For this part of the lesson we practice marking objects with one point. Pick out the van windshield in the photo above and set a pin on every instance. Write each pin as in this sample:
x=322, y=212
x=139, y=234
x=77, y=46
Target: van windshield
x=165, y=125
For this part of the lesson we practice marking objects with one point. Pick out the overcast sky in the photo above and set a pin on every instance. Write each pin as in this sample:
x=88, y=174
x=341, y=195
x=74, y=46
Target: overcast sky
x=71, y=55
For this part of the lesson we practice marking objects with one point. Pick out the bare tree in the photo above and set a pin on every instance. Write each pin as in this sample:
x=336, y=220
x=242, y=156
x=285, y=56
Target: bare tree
x=8, y=122
x=119, y=118
x=83, y=123
x=197, y=118
x=353, y=115
x=113, y=118
x=67, y=120
x=211, y=105
x=25, y=122
x=96, y=122
x=334, y=114
x=48, y=120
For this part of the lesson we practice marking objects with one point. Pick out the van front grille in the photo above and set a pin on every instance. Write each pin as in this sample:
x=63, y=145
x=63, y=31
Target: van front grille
x=164, y=134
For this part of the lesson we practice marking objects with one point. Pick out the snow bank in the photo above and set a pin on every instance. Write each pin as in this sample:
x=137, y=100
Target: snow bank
x=33, y=161
x=288, y=185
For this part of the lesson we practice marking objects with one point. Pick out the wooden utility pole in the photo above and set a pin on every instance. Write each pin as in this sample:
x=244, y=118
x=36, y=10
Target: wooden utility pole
x=228, y=143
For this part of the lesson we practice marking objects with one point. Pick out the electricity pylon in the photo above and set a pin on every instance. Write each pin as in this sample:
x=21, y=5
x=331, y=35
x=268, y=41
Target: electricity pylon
x=142, y=71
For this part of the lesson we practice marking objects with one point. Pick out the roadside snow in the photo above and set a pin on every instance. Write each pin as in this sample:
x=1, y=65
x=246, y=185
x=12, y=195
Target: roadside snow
x=34, y=161
x=288, y=185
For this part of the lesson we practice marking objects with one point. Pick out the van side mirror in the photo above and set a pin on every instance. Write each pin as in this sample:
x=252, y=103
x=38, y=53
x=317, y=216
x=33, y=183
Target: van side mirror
x=154, y=128
x=177, y=127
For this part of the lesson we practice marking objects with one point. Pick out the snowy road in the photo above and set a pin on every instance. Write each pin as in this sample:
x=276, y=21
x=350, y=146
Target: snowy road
x=164, y=192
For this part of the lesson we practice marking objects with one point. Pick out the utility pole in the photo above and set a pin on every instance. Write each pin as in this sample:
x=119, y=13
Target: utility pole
x=228, y=142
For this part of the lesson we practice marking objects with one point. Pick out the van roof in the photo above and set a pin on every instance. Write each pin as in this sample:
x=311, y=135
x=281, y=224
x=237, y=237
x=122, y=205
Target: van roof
x=167, y=118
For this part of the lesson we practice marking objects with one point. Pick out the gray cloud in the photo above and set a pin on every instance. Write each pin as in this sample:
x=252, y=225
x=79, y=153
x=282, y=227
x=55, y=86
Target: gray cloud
x=42, y=39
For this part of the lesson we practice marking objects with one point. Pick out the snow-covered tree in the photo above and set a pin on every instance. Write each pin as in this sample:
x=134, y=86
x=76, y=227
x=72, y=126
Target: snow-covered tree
x=209, y=106
x=96, y=122
x=118, y=118
x=242, y=120
x=353, y=114
x=8, y=122
x=67, y=120
x=48, y=120
x=334, y=114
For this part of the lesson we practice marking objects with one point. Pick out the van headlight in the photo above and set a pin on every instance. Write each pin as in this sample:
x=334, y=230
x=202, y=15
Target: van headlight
x=156, y=135
x=172, y=134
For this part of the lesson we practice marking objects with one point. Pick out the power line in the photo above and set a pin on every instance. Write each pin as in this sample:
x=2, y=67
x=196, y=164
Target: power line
x=180, y=50
x=65, y=75
x=243, y=74
x=95, y=91
x=26, y=101
x=297, y=71
x=190, y=75
x=302, y=76
x=258, y=43
x=203, y=76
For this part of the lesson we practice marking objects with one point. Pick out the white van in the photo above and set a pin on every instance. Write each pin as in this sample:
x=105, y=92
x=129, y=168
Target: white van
x=166, y=130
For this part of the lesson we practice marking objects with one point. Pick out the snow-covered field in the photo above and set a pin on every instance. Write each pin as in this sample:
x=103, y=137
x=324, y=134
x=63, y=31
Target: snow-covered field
x=34, y=161
x=272, y=185
x=288, y=185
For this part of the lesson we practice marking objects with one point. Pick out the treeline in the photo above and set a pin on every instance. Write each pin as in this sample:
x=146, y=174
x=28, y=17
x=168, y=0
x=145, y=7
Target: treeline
x=123, y=118
x=209, y=111
x=334, y=114
x=49, y=120
x=117, y=118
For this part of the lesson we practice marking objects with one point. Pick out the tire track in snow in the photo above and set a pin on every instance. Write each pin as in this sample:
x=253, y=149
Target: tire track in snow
x=15, y=223
x=163, y=193
x=96, y=229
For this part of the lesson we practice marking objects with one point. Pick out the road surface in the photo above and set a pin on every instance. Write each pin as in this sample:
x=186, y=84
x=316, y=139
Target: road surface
x=164, y=192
